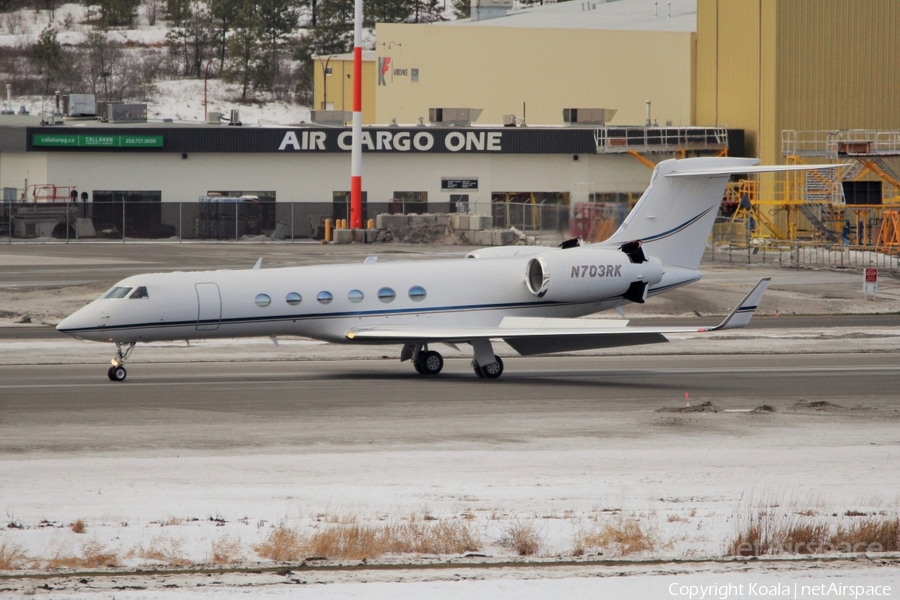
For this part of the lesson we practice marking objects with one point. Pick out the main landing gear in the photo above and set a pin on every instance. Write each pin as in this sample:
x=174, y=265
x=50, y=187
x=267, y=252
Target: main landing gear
x=117, y=371
x=486, y=364
x=489, y=371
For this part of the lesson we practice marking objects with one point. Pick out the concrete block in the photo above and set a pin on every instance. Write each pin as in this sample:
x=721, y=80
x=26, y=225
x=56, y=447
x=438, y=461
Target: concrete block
x=425, y=219
x=507, y=237
x=462, y=222
x=359, y=235
x=84, y=228
x=343, y=236
x=395, y=221
x=484, y=237
x=480, y=222
x=379, y=221
x=371, y=236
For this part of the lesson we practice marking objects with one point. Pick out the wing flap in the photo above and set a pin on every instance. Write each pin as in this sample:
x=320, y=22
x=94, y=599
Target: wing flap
x=549, y=344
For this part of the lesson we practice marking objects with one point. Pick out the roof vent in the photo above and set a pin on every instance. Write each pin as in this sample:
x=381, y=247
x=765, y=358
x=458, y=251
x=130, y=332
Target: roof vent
x=330, y=117
x=588, y=116
x=461, y=117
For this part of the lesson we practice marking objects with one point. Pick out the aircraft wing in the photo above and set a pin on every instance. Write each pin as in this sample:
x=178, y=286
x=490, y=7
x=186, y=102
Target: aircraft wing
x=536, y=335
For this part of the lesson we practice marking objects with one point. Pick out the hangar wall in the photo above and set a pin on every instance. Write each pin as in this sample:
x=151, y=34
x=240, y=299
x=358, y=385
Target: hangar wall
x=337, y=89
x=497, y=69
x=17, y=167
x=769, y=65
x=314, y=178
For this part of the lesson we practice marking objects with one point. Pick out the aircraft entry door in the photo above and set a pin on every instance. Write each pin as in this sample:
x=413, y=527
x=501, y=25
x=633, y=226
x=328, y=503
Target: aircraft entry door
x=209, y=306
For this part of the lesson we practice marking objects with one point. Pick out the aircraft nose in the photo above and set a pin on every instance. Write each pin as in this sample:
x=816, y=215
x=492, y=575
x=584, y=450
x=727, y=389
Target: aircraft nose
x=76, y=323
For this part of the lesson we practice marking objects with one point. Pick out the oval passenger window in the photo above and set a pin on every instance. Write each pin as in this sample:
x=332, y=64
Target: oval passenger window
x=293, y=299
x=263, y=300
x=417, y=293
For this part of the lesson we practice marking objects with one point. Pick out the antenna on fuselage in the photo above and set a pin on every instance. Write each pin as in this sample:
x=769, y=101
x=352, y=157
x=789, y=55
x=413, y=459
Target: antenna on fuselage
x=258, y=264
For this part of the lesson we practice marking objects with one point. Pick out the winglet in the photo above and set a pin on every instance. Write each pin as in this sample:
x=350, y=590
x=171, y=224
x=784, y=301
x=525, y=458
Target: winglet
x=741, y=315
x=258, y=264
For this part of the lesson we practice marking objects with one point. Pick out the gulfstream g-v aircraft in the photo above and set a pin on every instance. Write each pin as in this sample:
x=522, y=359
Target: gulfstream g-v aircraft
x=526, y=296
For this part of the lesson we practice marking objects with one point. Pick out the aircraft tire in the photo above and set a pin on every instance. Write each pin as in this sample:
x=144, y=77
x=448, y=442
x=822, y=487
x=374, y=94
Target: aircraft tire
x=117, y=373
x=418, y=366
x=432, y=363
x=477, y=369
x=493, y=370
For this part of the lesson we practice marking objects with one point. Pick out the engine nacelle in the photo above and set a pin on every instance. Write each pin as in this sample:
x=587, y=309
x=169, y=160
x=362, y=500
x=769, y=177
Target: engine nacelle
x=589, y=274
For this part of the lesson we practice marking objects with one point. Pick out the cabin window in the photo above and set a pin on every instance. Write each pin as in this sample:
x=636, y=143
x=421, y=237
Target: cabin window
x=117, y=292
x=355, y=296
x=140, y=292
x=386, y=295
x=324, y=297
x=293, y=299
x=262, y=300
x=417, y=293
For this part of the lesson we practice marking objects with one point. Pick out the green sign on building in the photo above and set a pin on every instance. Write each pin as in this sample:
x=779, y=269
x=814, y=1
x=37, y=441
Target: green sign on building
x=66, y=140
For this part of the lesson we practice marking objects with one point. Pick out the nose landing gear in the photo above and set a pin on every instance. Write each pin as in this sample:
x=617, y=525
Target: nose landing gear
x=117, y=371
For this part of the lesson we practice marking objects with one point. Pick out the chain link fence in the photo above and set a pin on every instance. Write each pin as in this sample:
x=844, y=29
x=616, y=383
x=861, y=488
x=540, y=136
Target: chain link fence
x=234, y=219
x=802, y=254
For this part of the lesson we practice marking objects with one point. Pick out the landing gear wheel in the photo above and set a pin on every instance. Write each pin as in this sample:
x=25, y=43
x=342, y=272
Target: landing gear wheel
x=431, y=363
x=477, y=369
x=493, y=370
x=418, y=366
x=117, y=373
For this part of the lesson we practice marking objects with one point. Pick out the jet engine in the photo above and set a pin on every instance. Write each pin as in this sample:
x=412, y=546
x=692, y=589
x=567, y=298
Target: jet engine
x=588, y=274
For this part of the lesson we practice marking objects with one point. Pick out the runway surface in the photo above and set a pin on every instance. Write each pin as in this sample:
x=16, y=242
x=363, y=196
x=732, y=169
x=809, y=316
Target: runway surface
x=229, y=406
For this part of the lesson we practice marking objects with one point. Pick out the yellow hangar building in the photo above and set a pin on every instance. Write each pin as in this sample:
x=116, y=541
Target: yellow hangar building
x=763, y=66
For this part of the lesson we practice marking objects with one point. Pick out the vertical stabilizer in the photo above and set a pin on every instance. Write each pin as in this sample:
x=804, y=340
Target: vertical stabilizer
x=675, y=215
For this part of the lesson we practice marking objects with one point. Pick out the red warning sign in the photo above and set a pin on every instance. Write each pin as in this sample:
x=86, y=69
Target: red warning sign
x=871, y=275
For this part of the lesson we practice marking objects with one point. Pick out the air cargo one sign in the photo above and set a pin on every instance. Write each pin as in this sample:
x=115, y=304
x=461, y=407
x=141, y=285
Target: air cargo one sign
x=387, y=140
x=66, y=140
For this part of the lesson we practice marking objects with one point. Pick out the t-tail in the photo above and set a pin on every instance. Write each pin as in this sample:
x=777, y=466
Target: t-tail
x=674, y=217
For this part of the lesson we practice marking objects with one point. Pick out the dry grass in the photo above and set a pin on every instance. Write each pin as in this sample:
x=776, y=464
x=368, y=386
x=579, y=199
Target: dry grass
x=762, y=532
x=78, y=526
x=356, y=542
x=368, y=541
x=93, y=555
x=676, y=519
x=523, y=537
x=620, y=537
x=283, y=544
x=869, y=535
x=162, y=549
x=12, y=555
x=225, y=550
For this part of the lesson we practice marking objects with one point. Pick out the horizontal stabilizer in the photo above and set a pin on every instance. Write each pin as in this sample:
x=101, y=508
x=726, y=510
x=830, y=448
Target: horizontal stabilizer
x=712, y=171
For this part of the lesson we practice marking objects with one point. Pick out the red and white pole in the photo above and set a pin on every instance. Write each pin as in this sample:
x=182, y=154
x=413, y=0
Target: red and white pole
x=356, y=152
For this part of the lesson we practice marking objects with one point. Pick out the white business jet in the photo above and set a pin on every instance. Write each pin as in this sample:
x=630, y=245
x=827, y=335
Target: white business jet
x=526, y=296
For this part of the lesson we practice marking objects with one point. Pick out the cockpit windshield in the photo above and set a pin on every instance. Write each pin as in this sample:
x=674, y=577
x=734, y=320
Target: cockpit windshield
x=117, y=292
x=140, y=292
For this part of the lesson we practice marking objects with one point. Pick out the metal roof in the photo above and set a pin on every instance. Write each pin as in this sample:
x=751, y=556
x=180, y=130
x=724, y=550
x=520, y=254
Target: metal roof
x=634, y=15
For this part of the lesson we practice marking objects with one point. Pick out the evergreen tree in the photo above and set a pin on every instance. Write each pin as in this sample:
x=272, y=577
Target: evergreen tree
x=115, y=13
x=243, y=48
x=49, y=56
x=462, y=9
x=190, y=35
x=277, y=20
x=223, y=14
